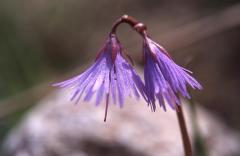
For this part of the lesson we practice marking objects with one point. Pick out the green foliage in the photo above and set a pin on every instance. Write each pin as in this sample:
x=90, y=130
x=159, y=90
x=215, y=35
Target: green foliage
x=21, y=63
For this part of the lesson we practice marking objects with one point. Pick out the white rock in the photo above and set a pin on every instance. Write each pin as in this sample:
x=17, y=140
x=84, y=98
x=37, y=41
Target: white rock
x=59, y=127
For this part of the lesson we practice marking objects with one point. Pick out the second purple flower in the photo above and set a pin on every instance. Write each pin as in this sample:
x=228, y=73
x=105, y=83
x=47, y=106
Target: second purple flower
x=164, y=79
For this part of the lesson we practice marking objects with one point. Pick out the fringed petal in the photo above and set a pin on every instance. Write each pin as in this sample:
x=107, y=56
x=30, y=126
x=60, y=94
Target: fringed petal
x=164, y=79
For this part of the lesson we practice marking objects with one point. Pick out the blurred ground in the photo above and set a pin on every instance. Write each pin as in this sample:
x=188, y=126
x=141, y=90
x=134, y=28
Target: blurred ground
x=45, y=41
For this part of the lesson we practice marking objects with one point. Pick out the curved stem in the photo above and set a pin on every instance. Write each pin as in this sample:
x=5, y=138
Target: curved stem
x=141, y=29
x=135, y=24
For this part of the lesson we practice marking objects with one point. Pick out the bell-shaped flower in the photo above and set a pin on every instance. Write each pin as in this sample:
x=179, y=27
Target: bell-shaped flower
x=110, y=77
x=164, y=79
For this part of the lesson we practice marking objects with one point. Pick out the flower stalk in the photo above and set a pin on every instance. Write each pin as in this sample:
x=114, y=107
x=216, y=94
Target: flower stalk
x=183, y=128
x=112, y=76
x=135, y=24
x=141, y=29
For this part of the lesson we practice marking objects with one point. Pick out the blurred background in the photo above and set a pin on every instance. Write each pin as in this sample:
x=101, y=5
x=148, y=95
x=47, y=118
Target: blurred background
x=42, y=42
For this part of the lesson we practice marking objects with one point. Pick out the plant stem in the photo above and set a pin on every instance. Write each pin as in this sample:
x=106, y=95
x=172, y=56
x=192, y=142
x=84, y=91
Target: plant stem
x=185, y=137
x=135, y=24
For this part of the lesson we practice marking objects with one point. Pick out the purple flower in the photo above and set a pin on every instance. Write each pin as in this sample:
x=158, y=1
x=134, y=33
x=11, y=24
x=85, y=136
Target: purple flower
x=110, y=76
x=164, y=79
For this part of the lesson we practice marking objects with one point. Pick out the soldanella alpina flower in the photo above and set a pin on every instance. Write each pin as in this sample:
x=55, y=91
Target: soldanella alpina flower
x=164, y=79
x=110, y=77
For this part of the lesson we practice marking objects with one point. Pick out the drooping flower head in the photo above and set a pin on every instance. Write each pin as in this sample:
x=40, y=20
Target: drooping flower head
x=164, y=79
x=110, y=76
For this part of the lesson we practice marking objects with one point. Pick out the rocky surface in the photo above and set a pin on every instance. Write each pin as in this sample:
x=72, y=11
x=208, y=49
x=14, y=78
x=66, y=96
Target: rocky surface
x=57, y=127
